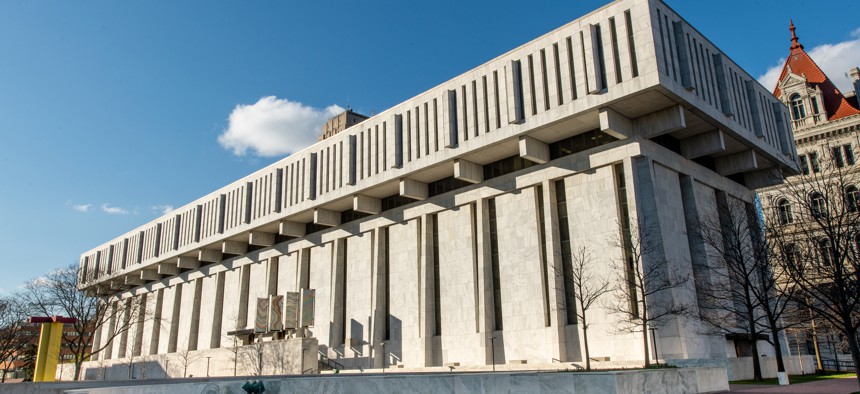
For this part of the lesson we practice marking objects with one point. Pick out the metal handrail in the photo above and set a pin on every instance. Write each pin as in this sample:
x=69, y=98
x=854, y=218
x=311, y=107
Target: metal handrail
x=330, y=363
x=838, y=365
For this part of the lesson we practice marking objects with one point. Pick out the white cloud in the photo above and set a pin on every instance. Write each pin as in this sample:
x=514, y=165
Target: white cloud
x=834, y=59
x=114, y=210
x=163, y=209
x=771, y=76
x=82, y=207
x=273, y=127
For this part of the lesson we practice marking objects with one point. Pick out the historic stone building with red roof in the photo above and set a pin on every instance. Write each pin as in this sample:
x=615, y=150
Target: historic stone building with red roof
x=826, y=127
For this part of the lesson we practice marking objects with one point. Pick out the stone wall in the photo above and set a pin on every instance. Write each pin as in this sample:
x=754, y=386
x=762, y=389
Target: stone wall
x=670, y=381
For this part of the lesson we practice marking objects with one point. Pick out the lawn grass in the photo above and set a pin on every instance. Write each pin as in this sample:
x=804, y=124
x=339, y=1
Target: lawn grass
x=795, y=379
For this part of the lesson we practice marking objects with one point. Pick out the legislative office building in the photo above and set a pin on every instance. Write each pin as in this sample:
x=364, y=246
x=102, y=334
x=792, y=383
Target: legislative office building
x=450, y=219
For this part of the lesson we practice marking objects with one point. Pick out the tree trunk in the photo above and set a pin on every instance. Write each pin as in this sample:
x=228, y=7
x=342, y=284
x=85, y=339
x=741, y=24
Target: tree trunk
x=77, y=371
x=851, y=335
x=780, y=363
x=585, y=342
x=777, y=348
x=756, y=360
x=645, y=343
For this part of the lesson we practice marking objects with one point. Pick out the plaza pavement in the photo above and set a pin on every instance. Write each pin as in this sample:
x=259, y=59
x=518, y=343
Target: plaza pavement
x=827, y=386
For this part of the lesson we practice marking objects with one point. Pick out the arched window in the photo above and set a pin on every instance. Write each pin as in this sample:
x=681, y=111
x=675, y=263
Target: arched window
x=817, y=205
x=825, y=252
x=783, y=211
x=797, y=109
x=852, y=198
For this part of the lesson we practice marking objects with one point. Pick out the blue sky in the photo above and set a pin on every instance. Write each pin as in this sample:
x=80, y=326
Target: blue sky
x=113, y=112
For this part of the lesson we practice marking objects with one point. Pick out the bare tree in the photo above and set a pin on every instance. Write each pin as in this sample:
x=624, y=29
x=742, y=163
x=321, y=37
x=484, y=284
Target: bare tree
x=741, y=291
x=644, y=283
x=252, y=356
x=57, y=293
x=28, y=360
x=186, y=358
x=587, y=287
x=815, y=223
x=15, y=334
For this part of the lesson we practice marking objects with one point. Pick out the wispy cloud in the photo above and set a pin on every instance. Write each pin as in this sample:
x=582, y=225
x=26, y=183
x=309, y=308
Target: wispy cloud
x=114, y=210
x=163, y=209
x=82, y=207
x=834, y=59
x=274, y=126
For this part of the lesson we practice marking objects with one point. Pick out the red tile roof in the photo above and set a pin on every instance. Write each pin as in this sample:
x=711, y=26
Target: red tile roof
x=800, y=63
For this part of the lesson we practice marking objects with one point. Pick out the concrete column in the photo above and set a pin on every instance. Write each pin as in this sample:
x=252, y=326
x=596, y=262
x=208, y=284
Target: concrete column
x=468, y=171
x=210, y=255
x=650, y=225
x=427, y=302
x=592, y=62
x=108, y=351
x=366, y=204
x=377, y=297
x=303, y=277
x=704, y=144
x=156, y=327
x=218, y=312
x=134, y=280
x=194, y=330
x=168, y=269
x=244, y=288
x=259, y=238
x=484, y=275
x=534, y=150
x=661, y=122
x=150, y=274
x=514, y=83
x=291, y=229
x=187, y=262
x=413, y=189
x=555, y=278
x=449, y=118
x=737, y=162
x=338, y=298
x=326, y=217
x=234, y=247
x=762, y=178
x=175, y=313
x=615, y=124
x=272, y=275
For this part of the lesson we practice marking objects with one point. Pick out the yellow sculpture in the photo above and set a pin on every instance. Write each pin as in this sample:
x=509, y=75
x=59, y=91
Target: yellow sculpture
x=49, y=346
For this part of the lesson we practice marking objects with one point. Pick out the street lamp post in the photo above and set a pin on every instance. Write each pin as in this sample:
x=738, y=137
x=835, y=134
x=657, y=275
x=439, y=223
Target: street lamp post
x=493, y=352
x=207, y=365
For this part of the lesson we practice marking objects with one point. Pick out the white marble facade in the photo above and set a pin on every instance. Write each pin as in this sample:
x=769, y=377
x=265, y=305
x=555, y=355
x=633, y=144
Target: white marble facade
x=681, y=128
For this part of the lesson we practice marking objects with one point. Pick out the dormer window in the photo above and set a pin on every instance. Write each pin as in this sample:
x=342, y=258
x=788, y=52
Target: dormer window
x=815, y=109
x=798, y=112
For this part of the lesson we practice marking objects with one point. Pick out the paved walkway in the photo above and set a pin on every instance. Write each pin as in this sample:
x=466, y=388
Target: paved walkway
x=827, y=386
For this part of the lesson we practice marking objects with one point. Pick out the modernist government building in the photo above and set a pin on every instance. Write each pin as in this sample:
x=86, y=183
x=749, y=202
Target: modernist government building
x=440, y=232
